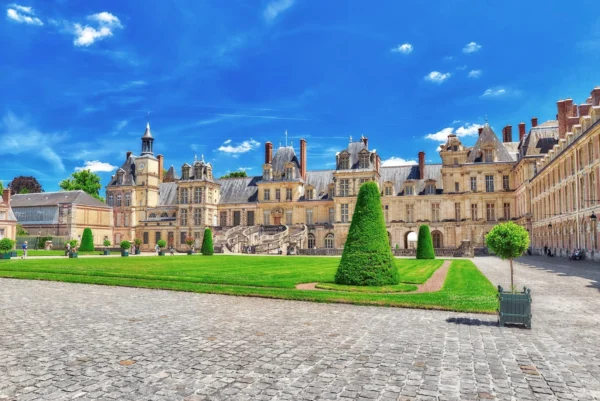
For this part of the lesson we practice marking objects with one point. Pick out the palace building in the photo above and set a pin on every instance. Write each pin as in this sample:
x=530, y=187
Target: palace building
x=544, y=179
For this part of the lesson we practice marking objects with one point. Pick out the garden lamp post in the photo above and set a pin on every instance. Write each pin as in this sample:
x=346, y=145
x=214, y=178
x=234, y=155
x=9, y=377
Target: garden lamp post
x=594, y=220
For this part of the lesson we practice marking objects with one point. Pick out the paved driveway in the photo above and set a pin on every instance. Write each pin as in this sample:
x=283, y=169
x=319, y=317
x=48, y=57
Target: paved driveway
x=68, y=341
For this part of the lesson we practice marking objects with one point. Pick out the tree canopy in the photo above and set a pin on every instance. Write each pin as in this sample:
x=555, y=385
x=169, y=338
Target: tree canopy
x=508, y=241
x=85, y=181
x=25, y=185
x=1, y=186
x=236, y=174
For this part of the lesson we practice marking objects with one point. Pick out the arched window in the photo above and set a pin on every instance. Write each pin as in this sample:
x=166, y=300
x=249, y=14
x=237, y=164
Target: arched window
x=164, y=215
x=436, y=236
x=311, y=241
x=329, y=241
x=119, y=200
x=111, y=200
x=183, y=217
x=152, y=216
x=127, y=200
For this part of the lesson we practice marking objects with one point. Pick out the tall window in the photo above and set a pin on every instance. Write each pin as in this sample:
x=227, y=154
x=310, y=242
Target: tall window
x=409, y=190
x=505, y=183
x=344, y=187
x=197, y=216
x=288, y=194
x=250, y=218
x=388, y=191
x=344, y=212
x=119, y=200
x=582, y=193
x=410, y=213
x=184, y=196
x=364, y=161
x=183, y=217
x=309, y=216
x=474, y=212
x=110, y=200
x=580, y=158
x=267, y=194
x=289, y=173
x=429, y=189
x=592, y=190
x=288, y=217
x=489, y=183
x=146, y=238
x=457, y=211
x=157, y=236
x=490, y=211
x=267, y=217
x=237, y=218
x=435, y=212
x=223, y=219
x=488, y=155
x=573, y=197
x=344, y=162
x=331, y=215
x=590, y=152
x=118, y=223
x=278, y=194
x=311, y=241
x=329, y=241
x=456, y=187
x=310, y=194
x=474, y=184
x=507, y=211
x=198, y=195
x=127, y=200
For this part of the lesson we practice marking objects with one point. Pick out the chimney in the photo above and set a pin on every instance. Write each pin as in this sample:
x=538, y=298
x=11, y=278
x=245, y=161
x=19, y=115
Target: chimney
x=562, y=119
x=6, y=196
x=584, y=109
x=161, y=161
x=507, y=134
x=365, y=141
x=421, y=165
x=128, y=155
x=595, y=96
x=303, y=158
x=533, y=122
x=377, y=163
x=521, y=131
x=268, y=152
x=479, y=130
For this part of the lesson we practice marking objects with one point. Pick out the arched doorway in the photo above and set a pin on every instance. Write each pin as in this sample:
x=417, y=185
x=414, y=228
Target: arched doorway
x=410, y=240
x=329, y=241
x=311, y=241
x=437, y=238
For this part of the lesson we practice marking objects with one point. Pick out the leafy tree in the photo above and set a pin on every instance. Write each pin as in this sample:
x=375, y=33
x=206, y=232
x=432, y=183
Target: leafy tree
x=85, y=181
x=87, y=241
x=508, y=241
x=1, y=186
x=125, y=245
x=106, y=243
x=73, y=244
x=6, y=245
x=21, y=230
x=207, y=243
x=161, y=243
x=137, y=242
x=25, y=185
x=425, y=244
x=235, y=174
x=367, y=257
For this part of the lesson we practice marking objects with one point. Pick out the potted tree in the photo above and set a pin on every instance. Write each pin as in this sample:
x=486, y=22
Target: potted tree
x=138, y=243
x=125, y=245
x=6, y=246
x=189, y=241
x=73, y=254
x=509, y=241
x=106, y=245
x=161, y=244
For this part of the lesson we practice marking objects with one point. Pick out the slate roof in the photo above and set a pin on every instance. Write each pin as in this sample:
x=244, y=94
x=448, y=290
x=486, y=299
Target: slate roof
x=354, y=149
x=167, y=194
x=172, y=174
x=238, y=190
x=488, y=138
x=513, y=149
x=399, y=174
x=54, y=198
x=320, y=179
x=128, y=176
x=541, y=139
x=283, y=155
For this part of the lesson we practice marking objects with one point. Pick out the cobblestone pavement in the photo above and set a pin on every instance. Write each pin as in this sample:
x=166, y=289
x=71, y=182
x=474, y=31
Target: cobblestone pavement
x=69, y=341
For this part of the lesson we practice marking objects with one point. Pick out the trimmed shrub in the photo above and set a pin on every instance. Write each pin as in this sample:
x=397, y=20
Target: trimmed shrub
x=207, y=243
x=125, y=245
x=73, y=244
x=367, y=258
x=6, y=245
x=87, y=240
x=106, y=243
x=425, y=243
x=161, y=243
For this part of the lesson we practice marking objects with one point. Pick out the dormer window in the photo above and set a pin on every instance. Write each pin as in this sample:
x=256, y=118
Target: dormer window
x=310, y=194
x=409, y=190
x=344, y=162
x=185, y=172
x=388, y=191
x=364, y=160
x=430, y=189
x=198, y=173
x=488, y=155
x=289, y=173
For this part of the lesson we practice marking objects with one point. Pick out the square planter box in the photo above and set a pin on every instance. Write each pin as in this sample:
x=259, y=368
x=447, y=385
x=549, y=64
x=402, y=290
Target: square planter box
x=13, y=254
x=189, y=252
x=6, y=255
x=124, y=253
x=514, y=308
x=137, y=251
x=161, y=253
x=73, y=255
x=106, y=252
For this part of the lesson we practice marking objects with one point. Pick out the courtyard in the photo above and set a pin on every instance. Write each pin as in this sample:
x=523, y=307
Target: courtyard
x=79, y=341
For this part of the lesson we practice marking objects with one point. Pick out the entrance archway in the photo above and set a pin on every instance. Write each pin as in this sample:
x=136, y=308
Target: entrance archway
x=410, y=240
x=437, y=238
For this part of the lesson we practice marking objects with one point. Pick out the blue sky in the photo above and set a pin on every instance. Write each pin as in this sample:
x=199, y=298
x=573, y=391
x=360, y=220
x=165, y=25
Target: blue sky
x=80, y=79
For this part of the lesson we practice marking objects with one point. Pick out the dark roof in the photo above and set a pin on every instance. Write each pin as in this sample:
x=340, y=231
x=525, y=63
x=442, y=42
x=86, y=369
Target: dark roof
x=128, y=176
x=238, y=190
x=54, y=198
x=354, y=149
x=541, y=139
x=320, y=179
x=172, y=174
x=147, y=133
x=399, y=174
x=283, y=155
x=167, y=194
x=488, y=138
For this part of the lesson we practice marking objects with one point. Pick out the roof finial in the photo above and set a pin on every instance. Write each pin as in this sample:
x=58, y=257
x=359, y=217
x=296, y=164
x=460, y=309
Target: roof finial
x=286, y=138
x=350, y=138
x=202, y=156
x=195, y=158
x=486, y=121
x=148, y=125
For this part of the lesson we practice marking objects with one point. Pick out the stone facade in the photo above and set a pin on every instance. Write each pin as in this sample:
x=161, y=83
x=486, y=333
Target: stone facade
x=8, y=222
x=461, y=199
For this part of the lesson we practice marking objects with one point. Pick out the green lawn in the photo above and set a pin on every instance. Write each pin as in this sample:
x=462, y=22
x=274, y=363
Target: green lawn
x=56, y=252
x=466, y=289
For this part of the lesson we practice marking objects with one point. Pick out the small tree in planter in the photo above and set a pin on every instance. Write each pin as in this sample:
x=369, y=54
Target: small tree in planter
x=6, y=245
x=125, y=246
x=207, y=243
x=509, y=241
x=106, y=245
x=189, y=240
x=138, y=243
x=73, y=253
x=425, y=244
x=87, y=241
x=161, y=244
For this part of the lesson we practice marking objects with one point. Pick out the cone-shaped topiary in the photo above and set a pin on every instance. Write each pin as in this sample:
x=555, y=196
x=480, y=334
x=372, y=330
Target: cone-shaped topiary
x=87, y=241
x=367, y=257
x=425, y=244
x=207, y=243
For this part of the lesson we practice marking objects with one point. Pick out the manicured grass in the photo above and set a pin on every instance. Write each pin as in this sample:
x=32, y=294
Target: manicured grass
x=56, y=252
x=418, y=271
x=372, y=289
x=465, y=289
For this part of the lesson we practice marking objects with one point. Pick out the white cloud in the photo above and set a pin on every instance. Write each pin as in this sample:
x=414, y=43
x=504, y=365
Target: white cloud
x=227, y=141
x=462, y=131
x=437, y=77
x=397, y=161
x=121, y=124
x=87, y=35
x=474, y=74
x=96, y=166
x=246, y=169
x=22, y=14
x=494, y=92
x=18, y=137
x=471, y=47
x=242, y=147
x=276, y=7
x=405, y=48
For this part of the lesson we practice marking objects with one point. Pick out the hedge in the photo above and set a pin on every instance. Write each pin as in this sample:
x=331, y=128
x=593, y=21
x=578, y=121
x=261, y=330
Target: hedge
x=87, y=241
x=425, y=243
x=207, y=243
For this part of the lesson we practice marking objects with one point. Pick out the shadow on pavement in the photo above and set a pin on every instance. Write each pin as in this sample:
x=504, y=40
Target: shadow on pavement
x=586, y=269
